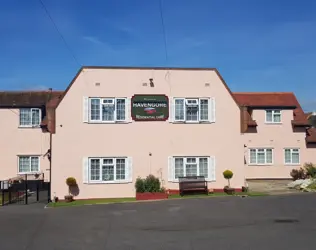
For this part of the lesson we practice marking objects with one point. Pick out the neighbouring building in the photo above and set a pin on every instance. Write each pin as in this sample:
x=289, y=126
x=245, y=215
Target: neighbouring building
x=25, y=141
x=114, y=124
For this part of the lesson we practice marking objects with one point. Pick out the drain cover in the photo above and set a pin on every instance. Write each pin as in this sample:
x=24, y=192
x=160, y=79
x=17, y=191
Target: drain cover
x=286, y=221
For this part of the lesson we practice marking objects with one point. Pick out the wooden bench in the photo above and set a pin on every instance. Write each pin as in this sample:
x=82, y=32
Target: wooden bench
x=192, y=184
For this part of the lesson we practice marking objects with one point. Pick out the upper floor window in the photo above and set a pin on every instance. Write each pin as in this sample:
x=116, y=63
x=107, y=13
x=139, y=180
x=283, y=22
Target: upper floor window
x=107, y=109
x=191, y=166
x=273, y=116
x=193, y=110
x=261, y=156
x=291, y=156
x=108, y=170
x=28, y=164
x=30, y=117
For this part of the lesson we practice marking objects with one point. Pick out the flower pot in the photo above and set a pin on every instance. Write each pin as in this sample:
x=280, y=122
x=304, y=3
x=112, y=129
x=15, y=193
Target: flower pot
x=229, y=190
x=151, y=196
x=69, y=198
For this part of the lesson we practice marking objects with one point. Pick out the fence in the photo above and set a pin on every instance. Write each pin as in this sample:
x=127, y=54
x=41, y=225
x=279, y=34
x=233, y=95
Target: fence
x=24, y=191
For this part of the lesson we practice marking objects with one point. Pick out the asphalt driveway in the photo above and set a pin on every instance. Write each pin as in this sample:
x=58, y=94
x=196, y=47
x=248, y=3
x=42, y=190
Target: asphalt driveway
x=272, y=222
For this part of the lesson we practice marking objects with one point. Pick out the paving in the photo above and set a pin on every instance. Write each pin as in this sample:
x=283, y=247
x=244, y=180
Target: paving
x=272, y=187
x=271, y=222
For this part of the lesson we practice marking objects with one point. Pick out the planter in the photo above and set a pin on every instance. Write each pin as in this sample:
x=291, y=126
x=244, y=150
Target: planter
x=229, y=191
x=69, y=198
x=151, y=196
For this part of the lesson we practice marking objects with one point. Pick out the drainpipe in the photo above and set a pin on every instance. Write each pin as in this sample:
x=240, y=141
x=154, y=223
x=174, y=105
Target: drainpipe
x=50, y=153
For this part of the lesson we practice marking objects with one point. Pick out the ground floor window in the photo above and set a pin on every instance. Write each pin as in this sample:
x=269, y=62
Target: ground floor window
x=292, y=156
x=28, y=164
x=191, y=166
x=108, y=169
x=260, y=156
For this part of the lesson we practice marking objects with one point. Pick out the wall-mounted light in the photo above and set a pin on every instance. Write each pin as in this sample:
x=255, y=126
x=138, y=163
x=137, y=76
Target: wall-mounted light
x=151, y=82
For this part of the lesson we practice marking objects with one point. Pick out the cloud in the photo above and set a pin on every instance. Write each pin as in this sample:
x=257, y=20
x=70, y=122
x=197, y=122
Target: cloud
x=93, y=40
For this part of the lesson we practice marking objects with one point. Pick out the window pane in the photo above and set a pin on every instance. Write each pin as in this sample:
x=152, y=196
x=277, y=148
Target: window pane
x=179, y=109
x=203, y=167
x=107, y=172
x=108, y=112
x=276, y=118
x=287, y=155
x=253, y=156
x=191, y=169
x=108, y=161
x=295, y=157
x=120, y=169
x=24, y=164
x=25, y=117
x=192, y=113
x=269, y=115
x=95, y=109
x=36, y=117
x=95, y=169
x=120, y=109
x=261, y=156
x=269, y=155
x=178, y=168
x=34, y=164
x=204, y=110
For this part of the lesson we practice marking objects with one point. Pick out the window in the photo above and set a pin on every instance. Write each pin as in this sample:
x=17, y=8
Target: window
x=30, y=117
x=28, y=164
x=109, y=170
x=193, y=110
x=292, y=156
x=273, y=116
x=261, y=156
x=108, y=109
x=191, y=166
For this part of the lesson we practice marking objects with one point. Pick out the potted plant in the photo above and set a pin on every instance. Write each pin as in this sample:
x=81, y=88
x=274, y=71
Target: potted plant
x=149, y=189
x=71, y=182
x=228, y=174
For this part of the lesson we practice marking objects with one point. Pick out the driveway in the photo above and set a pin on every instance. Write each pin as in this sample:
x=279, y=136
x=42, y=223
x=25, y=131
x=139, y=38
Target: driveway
x=272, y=222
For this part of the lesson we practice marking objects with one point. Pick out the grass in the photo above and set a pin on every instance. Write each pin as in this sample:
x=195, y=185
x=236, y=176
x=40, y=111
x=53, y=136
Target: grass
x=124, y=200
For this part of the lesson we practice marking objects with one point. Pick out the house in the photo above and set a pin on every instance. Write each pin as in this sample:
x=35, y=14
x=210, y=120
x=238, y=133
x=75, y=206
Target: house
x=24, y=136
x=274, y=135
x=115, y=124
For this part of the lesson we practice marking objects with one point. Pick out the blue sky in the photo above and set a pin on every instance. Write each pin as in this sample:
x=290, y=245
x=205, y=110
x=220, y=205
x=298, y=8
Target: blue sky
x=257, y=45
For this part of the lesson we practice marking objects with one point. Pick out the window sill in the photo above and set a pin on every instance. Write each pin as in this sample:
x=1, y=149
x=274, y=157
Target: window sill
x=292, y=164
x=30, y=127
x=29, y=173
x=273, y=123
x=109, y=122
x=177, y=181
x=188, y=122
x=261, y=165
x=108, y=182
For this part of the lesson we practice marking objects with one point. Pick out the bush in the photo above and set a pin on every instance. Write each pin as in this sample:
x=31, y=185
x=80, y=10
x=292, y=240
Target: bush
x=140, y=185
x=71, y=181
x=228, y=174
x=310, y=170
x=149, y=184
x=298, y=174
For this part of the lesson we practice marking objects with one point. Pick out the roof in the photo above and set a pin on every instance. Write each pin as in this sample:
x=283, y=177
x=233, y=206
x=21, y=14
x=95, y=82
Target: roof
x=11, y=99
x=273, y=99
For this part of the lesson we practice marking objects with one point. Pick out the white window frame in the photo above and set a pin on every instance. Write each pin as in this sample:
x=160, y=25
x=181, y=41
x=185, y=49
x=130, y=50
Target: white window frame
x=274, y=112
x=30, y=157
x=265, y=156
x=291, y=151
x=210, y=164
x=30, y=125
x=126, y=180
x=115, y=120
x=185, y=101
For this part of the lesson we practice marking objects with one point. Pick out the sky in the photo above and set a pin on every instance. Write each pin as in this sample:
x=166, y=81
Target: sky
x=257, y=45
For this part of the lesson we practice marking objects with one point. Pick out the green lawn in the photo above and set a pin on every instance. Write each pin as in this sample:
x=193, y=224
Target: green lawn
x=123, y=200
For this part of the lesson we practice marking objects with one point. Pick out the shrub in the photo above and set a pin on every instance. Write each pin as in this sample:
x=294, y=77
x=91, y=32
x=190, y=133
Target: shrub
x=139, y=185
x=298, y=174
x=310, y=169
x=149, y=184
x=228, y=174
x=71, y=181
